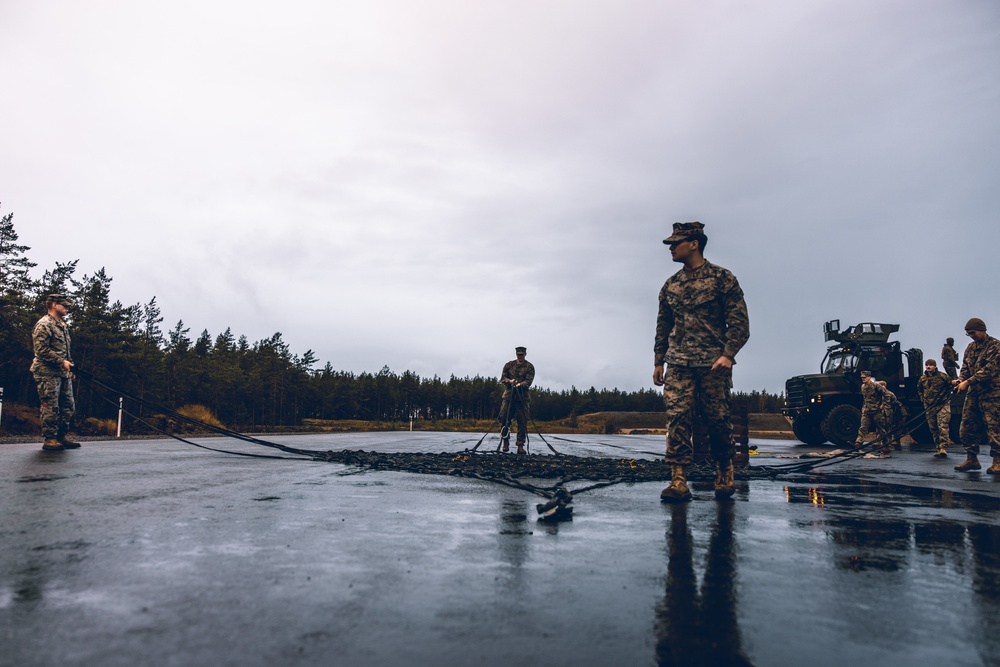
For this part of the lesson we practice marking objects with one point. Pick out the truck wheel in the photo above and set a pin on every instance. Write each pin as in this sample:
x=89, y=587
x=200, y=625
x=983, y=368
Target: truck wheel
x=808, y=431
x=840, y=425
x=921, y=433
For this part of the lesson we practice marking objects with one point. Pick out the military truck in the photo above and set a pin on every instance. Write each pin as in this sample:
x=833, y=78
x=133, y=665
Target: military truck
x=827, y=406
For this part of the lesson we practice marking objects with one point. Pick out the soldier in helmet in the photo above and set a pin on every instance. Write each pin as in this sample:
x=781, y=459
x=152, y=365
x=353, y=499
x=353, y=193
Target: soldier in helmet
x=980, y=377
x=52, y=368
x=949, y=357
x=876, y=398
x=934, y=389
x=701, y=325
x=517, y=376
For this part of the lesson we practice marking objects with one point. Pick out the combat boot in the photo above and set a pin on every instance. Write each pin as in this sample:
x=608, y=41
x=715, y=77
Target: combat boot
x=995, y=468
x=506, y=444
x=520, y=449
x=52, y=445
x=678, y=491
x=68, y=444
x=971, y=463
x=725, y=483
x=941, y=453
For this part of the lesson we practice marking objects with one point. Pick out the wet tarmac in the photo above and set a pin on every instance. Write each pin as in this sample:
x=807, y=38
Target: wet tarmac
x=157, y=553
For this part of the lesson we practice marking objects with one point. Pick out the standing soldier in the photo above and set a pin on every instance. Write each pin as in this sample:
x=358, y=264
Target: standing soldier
x=701, y=325
x=894, y=415
x=981, y=413
x=52, y=368
x=875, y=398
x=517, y=376
x=949, y=357
x=934, y=389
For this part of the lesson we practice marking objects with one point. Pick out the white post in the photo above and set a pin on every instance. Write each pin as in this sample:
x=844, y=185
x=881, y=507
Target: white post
x=119, y=417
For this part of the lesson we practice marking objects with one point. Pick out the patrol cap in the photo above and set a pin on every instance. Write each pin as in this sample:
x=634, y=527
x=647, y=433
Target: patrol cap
x=59, y=298
x=975, y=324
x=866, y=374
x=684, y=231
x=521, y=350
x=930, y=362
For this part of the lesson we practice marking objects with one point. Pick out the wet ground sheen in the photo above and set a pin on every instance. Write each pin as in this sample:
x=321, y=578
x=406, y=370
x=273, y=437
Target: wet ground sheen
x=157, y=553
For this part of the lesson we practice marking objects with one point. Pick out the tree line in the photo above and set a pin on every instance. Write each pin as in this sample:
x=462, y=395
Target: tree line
x=246, y=385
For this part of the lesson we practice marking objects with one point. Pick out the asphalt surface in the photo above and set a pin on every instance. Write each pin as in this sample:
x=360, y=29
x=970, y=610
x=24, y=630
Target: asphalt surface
x=158, y=553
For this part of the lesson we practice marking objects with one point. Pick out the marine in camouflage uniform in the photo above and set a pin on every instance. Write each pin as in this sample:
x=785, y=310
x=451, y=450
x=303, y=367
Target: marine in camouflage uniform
x=51, y=369
x=517, y=376
x=701, y=325
x=934, y=389
x=875, y=397
x=893, y=415
x=949, y=357
x=980, y=376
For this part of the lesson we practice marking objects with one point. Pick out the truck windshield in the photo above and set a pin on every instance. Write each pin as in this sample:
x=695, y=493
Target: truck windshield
x=840, y=362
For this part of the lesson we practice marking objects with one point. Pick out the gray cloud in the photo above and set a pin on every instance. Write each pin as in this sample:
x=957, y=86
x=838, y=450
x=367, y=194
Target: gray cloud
x=426, y=185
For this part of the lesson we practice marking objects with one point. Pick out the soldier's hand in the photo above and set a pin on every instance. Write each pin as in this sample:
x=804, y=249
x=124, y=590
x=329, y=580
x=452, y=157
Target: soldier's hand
x=962, y=386
x=658, y=376
x=67, y=364
x=722, y=362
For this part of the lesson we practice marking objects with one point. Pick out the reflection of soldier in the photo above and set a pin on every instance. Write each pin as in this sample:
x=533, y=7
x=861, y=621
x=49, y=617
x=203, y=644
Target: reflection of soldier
x=701, y=325
x=981, y=413
x=52, y=370
x=875, y=398
x=893, y=415
x=949, y=358
x=517, y=376
x=934, y=389
x=695, y=629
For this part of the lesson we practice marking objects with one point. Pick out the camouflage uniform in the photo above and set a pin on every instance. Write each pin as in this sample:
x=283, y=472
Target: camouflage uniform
x=981, y=412
x=516, y=402
x=702, y=317
x=949, y=358
x=893, y=415
x=876, y=397
x=934, y=390
x=51, y=342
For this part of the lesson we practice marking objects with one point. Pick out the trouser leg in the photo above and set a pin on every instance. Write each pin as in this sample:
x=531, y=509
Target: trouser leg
x=67, y=406
x=521, y=417
x=973, y=429
x=678, y=398
x=714, y=397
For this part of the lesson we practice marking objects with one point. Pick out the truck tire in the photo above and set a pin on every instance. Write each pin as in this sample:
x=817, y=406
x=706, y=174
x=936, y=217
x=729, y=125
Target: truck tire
x=840, y=425
x=921, y=433
x=955, y=428
x=807, y=430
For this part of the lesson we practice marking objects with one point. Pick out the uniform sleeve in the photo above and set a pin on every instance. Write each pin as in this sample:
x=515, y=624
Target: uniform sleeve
x=737, y=320
x=529, y=375
x=966, y=371
x=920, y=386
x=664, y=325
x=505, y=374
x=989, y=364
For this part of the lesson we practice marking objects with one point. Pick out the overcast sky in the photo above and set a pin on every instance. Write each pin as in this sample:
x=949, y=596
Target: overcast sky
x=425, y=185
